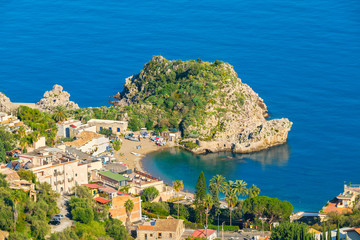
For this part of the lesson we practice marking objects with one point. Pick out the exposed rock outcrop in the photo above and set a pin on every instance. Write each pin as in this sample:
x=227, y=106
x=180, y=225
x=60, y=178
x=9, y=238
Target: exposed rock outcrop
x=56, y=97
x=212, y=106
x=4, y=98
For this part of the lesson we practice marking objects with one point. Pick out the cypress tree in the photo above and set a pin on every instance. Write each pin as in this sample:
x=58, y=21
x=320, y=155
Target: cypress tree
x=200, y=189
x=200, y=193
x=323, y=233
x=338, y=233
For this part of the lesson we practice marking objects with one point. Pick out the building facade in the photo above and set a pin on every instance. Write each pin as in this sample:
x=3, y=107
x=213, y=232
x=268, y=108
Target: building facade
x=62, y=176
x=117, y=127
x=118, y=210
x=165, y=229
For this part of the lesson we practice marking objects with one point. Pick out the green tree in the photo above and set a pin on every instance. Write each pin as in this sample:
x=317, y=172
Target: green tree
x=134, y=124
x=208, y=203
x=7, y=138
x=115, y=229
x=178, y=185
x=116, y=145
x=338, y=233
x=27, y=175
x=231, y=200
x=149, y=125
x=39, y=229
x=253, y=191
x=129, y=206
x=60, y=114
x=324, y=233
x=294, y=231
x=2, y=152
x=329, y=234
x=81, y=210
x=6, y=216
x=15, y=198
x=107, y=132
x=200, y=193
x=83, y=192
x=150, y=193
x=125, y=189
x=17, y=236
x=240, y=188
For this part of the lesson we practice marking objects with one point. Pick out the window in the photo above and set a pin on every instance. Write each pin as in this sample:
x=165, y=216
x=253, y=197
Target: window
x=118, y=129
x=100, y=128
x=170, y=235
x=145, y=236
x=109, y=128
x=159, y=236
x=151, y=234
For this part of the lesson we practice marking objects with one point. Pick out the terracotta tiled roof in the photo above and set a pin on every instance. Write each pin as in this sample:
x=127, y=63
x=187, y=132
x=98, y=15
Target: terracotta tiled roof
x=102, y=200
x=108, y=189
x=202, y=233
x=169, y=225
x=93, y=186
x=11, y=175
x=82, y=138
x=331, y=207
x=145, y=227
x=357, y=230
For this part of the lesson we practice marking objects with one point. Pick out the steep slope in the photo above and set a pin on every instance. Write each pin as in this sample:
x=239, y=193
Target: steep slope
x=207, y=101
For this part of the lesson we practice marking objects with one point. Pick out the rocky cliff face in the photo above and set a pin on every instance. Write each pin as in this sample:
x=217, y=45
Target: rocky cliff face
x=212, y=106
x=56, y=97
x=4, y=98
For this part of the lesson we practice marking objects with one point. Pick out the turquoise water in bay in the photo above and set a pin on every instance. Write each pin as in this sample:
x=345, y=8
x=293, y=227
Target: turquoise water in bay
x=302, y=57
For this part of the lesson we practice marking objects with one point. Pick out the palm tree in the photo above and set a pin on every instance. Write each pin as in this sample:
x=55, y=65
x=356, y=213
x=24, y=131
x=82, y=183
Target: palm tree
x=21, y=132
x=15, y=198
x=178, y=185
x=129, y=206
x=60, y=114
x=218, y=183
x=23, y=143
x=231, y=200
x=228, y=186
x=208, y=203
x=125, y=189
x=240, y=188
x=253, y=191
x=35, y=135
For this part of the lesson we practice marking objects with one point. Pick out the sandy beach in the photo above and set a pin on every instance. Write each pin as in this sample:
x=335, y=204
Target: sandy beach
x=132, y=161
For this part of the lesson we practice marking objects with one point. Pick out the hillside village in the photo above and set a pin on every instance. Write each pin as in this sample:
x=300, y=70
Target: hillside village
x=92, y=170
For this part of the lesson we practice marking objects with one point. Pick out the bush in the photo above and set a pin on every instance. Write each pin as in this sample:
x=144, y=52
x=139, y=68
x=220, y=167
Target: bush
x=189, y=144
x=150, y=193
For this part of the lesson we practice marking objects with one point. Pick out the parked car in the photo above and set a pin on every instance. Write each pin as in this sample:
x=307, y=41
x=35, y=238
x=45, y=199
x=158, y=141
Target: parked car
x=58, y=216
x=55, y=221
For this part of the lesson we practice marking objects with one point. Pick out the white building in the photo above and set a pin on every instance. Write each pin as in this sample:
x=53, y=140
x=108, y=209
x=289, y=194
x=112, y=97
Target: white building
x=90, y=143
x=117, y=127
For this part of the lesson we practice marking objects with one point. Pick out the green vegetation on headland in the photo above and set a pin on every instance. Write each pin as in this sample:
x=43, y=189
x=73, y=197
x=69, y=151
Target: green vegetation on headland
x=176, y=94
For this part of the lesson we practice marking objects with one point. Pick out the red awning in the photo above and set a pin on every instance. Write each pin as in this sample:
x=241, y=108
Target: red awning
x=102, y=200
x=73, y=126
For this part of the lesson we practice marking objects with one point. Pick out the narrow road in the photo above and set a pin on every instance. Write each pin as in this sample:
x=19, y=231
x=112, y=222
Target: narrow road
x=66, y=221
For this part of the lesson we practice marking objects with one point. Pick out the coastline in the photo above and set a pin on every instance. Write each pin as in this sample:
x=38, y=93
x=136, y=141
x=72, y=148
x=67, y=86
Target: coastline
x=132, y=161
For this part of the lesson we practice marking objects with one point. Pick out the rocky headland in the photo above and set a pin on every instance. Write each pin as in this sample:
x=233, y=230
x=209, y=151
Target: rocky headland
x=56, y=97
x=214, y=110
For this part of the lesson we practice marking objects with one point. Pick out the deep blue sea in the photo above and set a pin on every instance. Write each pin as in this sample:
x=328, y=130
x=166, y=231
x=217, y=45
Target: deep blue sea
x=302, y=57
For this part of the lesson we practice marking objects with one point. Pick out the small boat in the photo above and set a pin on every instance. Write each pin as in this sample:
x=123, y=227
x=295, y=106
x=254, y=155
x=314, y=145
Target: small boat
x=136, y=154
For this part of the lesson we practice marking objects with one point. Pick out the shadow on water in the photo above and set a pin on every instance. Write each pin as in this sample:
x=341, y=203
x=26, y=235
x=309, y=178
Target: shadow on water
x=176, y=163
